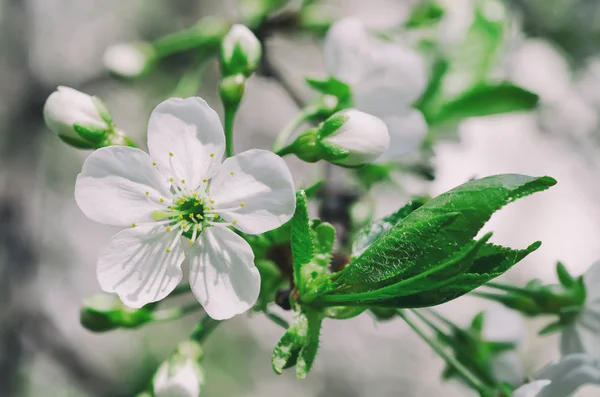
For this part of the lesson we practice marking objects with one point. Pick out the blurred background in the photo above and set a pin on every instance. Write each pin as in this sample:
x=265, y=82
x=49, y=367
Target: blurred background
x=48, y=248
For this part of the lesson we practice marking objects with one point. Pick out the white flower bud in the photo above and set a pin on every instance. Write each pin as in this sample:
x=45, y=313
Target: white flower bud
x=240, y=51
x=128, y=60
x=77, y=118
x=176, y=378
x=364, y=136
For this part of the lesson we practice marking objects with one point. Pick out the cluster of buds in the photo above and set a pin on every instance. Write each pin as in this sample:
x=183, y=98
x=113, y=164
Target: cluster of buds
x=241, y=53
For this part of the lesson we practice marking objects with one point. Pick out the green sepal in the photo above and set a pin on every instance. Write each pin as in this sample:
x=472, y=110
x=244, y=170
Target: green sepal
x=76, y=143
x=332, y=124
x=331, y=86
x=324, y=238
x=551, y=328
x=333, y=153
x=94, y=136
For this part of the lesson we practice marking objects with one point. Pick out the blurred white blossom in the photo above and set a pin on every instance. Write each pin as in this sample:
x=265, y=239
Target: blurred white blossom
x=583, y=335
x=563, y=378
x=385, y=79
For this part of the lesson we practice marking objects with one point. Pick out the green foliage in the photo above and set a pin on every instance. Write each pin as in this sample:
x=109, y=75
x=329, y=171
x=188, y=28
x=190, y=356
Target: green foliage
x=331, y=86
x=485, y=100
x=429, y=256
x=300, y=237
x=299, y=345
x=425, y=13
x=367, y=235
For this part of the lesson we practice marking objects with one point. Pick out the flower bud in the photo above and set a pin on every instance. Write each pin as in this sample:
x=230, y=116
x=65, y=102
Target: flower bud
x=78, y=119
x=361, y=136
x=232, y=90
x=181, y=375
x=128, y=60
x=105, y=312
x=240, y=51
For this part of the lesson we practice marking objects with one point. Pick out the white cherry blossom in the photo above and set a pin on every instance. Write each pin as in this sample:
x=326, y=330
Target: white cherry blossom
x=178, y=202
x=185, y=381
x=563, y=378
x=583, y=335
x=385, y=79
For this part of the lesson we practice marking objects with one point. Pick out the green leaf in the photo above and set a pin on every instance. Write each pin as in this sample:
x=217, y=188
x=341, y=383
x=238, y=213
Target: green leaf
x=564, y=276
x=332, y=86
x=436, y=231
x=285, y=353
x=299, y=345
x=492, y=261
x=324, y=237
x=300, y=236
x=477, y=54
x=434, y=278
x=484, y=100
x=308, y=353
x=425, y=13
x=367, y=235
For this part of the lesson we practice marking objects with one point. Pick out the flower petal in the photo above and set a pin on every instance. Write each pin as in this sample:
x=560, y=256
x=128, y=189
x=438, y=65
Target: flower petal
x=261, y=181
x=531, y=389
x=347, y=50
x=583, y=336
x=222, y=273
x=137, y=267
x=396, y=78
x=189, y=130
x=407, y=132
x=119, y=186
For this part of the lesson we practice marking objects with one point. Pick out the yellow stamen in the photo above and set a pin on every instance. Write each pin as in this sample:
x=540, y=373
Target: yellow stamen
x=190, y=242
x=212, y=201
x=231, y=173
x=154, y=163
x=162, y=200
x=242, y=205
x=183, y=181
x=147, y=193
x=171, y=154
x=212, y=155
x=168, y=228
x=133, y=224
x=167, y=249
x=204, y=180
x=234, y=222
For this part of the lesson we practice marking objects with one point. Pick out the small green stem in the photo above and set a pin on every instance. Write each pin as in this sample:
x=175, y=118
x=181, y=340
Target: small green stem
x=288, y=130
x=206, y=34
x=508, y=288
x=175, y=313
x=204, y=328
x=471, y=379
x=277, y=319
x=230, y=113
